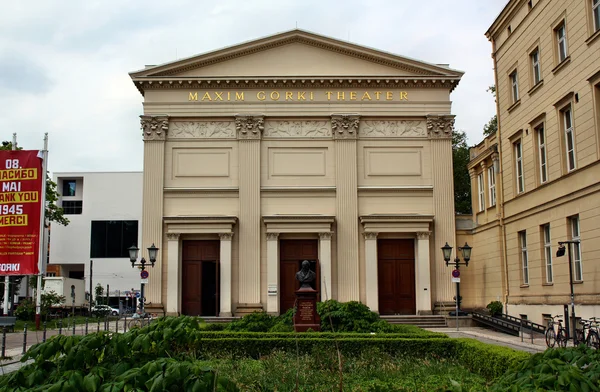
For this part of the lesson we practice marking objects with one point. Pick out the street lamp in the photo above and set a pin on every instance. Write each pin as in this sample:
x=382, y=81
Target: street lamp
x=133, y=256
x=466, y=254
x=560, y=253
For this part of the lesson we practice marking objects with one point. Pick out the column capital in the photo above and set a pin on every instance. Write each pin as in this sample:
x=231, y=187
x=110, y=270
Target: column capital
x=154, y=127
x=440, y=126
x=326, y=235
x=483, y=165
x=423, y=235
x=226, y=236
x=250, y=127
x=345, y=126
x=495, y=157
x=472, y=173
x=370, y=235
x=272, y=236
x=173, y=236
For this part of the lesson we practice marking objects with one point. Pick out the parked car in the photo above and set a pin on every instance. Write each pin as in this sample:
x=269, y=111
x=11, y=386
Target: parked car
x=104, y=310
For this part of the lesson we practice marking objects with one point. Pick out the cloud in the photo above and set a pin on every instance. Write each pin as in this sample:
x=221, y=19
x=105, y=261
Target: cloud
x=64, y=64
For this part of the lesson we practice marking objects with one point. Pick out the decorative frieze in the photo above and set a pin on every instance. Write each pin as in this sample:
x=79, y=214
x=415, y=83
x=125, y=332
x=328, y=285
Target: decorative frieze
x=297, y=128
x=202, y=129
x=173, y=236
x=392, y=128
x=154, y=127
x=249, y=127
x=345, y=126
x=440, y=126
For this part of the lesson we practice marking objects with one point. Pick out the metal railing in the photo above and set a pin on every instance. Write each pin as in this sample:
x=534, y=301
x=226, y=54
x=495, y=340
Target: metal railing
x=511, y=325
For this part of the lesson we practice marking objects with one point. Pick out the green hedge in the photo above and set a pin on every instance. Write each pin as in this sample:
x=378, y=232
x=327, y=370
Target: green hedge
x=316, y=335
x=487, y=360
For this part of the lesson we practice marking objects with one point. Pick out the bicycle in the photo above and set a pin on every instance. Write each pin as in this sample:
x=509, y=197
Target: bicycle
x=553, y=337
x=140, y=320
x=592, y=339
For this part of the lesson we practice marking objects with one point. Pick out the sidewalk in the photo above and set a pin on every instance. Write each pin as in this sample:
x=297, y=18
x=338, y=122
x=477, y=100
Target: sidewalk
x=498, y=338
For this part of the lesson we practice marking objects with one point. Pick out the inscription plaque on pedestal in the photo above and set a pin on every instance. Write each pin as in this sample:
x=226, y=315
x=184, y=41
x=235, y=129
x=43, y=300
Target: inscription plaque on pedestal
x=306, y=301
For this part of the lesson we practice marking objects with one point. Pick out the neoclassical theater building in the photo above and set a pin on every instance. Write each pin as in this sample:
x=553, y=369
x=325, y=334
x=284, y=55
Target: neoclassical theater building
x=297, y=147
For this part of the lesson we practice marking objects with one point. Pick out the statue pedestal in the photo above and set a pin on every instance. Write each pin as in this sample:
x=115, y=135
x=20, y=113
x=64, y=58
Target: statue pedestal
x=306, y=316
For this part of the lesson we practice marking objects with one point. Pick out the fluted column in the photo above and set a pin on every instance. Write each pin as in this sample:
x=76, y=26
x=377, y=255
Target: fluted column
x=440, y=130
x=249, y=131
x=372, y=285
x=325, y=262
x=345, y=130
x=155, y=130
x=173, y=275
x=423, y=274
x=225, y=275
x=273, y=273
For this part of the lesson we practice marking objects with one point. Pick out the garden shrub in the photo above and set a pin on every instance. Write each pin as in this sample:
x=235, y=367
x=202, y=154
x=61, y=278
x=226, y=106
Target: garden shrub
x=563, y=369
x=495, y=307
x=486, y=360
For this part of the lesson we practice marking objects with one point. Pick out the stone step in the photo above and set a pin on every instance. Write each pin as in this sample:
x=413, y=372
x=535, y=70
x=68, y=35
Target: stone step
x=426, y=321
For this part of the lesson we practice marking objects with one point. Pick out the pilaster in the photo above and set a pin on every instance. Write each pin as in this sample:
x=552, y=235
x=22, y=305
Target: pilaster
x=249, y=131
x=273, y=273
x=155, y=130
x=225, y=275
x=325, y=262
x=372, y=285
x=345, y=129
x=439, y=131
x=423, y=274
x=173, y=275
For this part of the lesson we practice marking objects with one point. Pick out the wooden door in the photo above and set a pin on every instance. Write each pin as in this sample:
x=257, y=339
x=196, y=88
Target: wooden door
x=396, y=276
x=200, y=278
x=291, y=255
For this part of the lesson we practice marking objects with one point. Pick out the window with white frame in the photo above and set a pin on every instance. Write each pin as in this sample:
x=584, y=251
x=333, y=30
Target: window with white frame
x=567, y=115
x=524, y=259
x=596, y=14
x=576, y=251
x=514, y=82
x=547, y=252
x=519, y=167
x=543, y=158
x=492, y=185
x=561, y=42
x=535, y=65
x=481, y=188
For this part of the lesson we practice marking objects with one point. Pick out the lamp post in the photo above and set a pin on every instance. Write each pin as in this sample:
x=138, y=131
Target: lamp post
x=133, y=256
x=466, y=253
x=560, y=253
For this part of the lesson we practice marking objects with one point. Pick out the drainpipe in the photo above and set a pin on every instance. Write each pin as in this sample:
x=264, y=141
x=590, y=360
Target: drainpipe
x=498, y=169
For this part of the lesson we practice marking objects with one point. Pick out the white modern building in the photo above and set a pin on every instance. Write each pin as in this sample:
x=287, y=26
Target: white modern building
x=105, y=212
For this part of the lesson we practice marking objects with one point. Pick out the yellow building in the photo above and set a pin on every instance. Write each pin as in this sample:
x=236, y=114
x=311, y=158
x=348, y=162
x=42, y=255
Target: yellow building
x=293, y=147
x=537, y=180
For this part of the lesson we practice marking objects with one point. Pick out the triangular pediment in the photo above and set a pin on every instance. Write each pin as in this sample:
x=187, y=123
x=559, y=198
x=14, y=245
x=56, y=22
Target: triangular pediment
x=296, y=53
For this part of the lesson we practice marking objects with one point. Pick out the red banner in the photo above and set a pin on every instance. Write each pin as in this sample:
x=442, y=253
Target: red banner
x=20, y=204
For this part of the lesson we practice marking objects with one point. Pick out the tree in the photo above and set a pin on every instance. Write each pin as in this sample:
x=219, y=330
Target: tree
x=492, y=126
x=53, y=213
x=462, y=181
x=99, y=291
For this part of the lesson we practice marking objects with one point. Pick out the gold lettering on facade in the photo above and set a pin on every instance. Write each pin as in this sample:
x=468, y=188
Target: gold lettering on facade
x=366, y=96
x=218, y=95
x=297, y=96
x=377, y=94
x=389, y=95
x=403, y=96
x=239, y=96
x=341, y=96
x=353, y=95
x=206, y=96
x=311, y=95
x=329, y=95
x=260, y=95
x=301, y=96
x=193, y=97
x=228, y=96
x=289, y=96
x=274, y=96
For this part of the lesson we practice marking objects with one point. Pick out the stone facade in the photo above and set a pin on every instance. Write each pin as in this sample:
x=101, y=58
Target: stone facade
x=545, y=163
x=305, y=139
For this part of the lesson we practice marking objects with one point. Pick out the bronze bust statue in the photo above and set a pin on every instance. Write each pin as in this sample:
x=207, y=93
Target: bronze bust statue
x=305, y=276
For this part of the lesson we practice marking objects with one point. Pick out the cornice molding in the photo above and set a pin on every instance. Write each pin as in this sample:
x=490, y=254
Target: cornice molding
x=295, y=218
x=287, y=189
x=191, y=218
x=202, y=190
x=395, y=218
x=399, y=188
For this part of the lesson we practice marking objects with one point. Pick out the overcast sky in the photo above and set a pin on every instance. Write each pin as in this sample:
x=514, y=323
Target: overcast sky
x=64, y=64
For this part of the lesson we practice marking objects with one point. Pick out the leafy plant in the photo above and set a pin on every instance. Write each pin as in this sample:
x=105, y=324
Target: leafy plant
x=495, y=308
